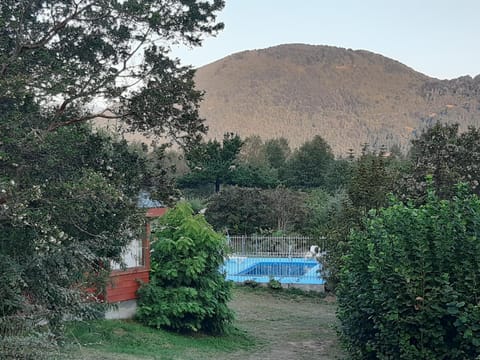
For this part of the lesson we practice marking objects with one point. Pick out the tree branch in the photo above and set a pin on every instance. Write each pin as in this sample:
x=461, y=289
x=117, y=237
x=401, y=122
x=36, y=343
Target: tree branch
x=55, y=126
x=45, y=39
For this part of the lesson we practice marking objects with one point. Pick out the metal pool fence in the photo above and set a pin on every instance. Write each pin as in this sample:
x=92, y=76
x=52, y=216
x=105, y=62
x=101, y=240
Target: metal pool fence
x=288, y=259
x=274, y=246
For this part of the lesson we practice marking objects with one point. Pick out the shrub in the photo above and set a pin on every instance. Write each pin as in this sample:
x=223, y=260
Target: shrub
x=27, y=337
x=251, y=283
x=274, y=284
x=409, y=286
x=197, y=204
x=186, y=292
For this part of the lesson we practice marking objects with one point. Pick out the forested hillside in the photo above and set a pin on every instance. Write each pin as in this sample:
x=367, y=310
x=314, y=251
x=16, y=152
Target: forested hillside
x=348, y=97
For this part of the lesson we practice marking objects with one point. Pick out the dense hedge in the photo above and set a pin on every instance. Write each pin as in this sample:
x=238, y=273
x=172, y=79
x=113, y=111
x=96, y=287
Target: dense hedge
x=410, y=287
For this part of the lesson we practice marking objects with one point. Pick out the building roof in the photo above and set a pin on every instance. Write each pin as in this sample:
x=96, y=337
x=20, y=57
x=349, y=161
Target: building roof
x=145, y=201
x=156, y=212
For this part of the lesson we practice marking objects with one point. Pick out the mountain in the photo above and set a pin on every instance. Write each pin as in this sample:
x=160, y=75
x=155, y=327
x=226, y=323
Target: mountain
x=349, y=97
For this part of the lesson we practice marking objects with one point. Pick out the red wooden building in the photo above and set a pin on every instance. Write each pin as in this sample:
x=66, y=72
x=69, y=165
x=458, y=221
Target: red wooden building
x=124, y=283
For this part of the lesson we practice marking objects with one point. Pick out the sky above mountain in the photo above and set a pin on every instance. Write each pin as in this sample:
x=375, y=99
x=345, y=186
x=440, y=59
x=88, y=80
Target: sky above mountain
x=436, y=37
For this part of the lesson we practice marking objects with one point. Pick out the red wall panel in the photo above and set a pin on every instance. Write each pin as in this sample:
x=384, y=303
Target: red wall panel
x=124, y=284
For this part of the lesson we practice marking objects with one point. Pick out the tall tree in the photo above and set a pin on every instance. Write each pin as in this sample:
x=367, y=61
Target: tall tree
x=252, y=168
x=372, y=179
x=447, y=155
x=253, y=152
x=277, y=151
x=308, y=167
x=212, y=162
x=339, y=174
x=288, y=208
x=66, y=54
x=371, y=182
x=240, y=210
x=68, y=209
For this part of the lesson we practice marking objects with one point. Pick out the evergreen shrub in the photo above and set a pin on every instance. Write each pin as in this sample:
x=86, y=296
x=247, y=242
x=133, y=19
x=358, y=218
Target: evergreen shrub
x=187, y=292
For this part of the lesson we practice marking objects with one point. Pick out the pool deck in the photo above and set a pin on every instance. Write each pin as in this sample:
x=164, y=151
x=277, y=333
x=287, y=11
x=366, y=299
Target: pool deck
x=236, y=264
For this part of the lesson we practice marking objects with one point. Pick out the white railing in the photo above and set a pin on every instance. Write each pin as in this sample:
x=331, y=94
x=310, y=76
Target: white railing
x=274, y=246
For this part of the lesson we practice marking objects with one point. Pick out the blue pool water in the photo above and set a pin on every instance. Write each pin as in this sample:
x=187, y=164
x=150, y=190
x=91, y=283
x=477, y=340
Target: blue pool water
x=285, y=268
x=262, y=270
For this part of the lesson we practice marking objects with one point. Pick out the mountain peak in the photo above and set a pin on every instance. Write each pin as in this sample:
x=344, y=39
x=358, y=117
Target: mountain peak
x=347, y=96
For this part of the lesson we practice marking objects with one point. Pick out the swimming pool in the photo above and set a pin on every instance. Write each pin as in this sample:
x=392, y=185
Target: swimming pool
x=286, y=270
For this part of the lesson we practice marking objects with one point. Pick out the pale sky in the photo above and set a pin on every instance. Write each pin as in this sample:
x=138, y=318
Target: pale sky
x=440, y=38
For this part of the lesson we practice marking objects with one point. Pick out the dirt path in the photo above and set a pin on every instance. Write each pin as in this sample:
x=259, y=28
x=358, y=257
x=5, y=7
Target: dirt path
x=287, y=327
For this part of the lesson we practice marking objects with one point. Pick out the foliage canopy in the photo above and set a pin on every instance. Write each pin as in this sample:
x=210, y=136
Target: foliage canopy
x=212, y=162
x=409, y=285
x=240, y=210
x=309, y=165
x=66, y=54
x=449, y=156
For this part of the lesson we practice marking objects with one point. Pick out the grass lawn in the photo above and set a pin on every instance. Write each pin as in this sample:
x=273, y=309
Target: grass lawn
x=280, y=325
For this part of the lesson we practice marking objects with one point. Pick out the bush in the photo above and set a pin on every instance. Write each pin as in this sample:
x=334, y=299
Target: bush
x=186, y=292
x=27, y=337
x=197, y=204
x=274, y=284
x=251, y=283
x=409, y=287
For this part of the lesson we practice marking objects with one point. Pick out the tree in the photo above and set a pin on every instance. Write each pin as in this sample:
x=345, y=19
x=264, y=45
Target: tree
x=320, y=205
x=308, y=166
x=339, y=175
x=409, y=285
x=253, y=152
x=448, y=156
x=67, y=194
x=212, y=162
x=372, y=179
x=246, y=175
x=277, y=152
x=186, y=292
x=65, y=54
x=240, y=210
x=163, y=167
x=370, y=183
x=251, y=166
x=288, y=208
x=341, y=218
x=64, y=217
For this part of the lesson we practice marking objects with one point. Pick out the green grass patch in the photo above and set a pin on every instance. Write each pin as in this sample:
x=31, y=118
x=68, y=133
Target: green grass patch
x=270, y=324
x=132, y=338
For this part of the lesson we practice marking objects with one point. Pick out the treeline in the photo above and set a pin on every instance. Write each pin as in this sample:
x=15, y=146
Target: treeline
x=254, y=163
x=252, y=186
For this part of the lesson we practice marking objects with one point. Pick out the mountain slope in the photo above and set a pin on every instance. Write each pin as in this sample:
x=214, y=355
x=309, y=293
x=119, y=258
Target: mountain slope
x=348, y=97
